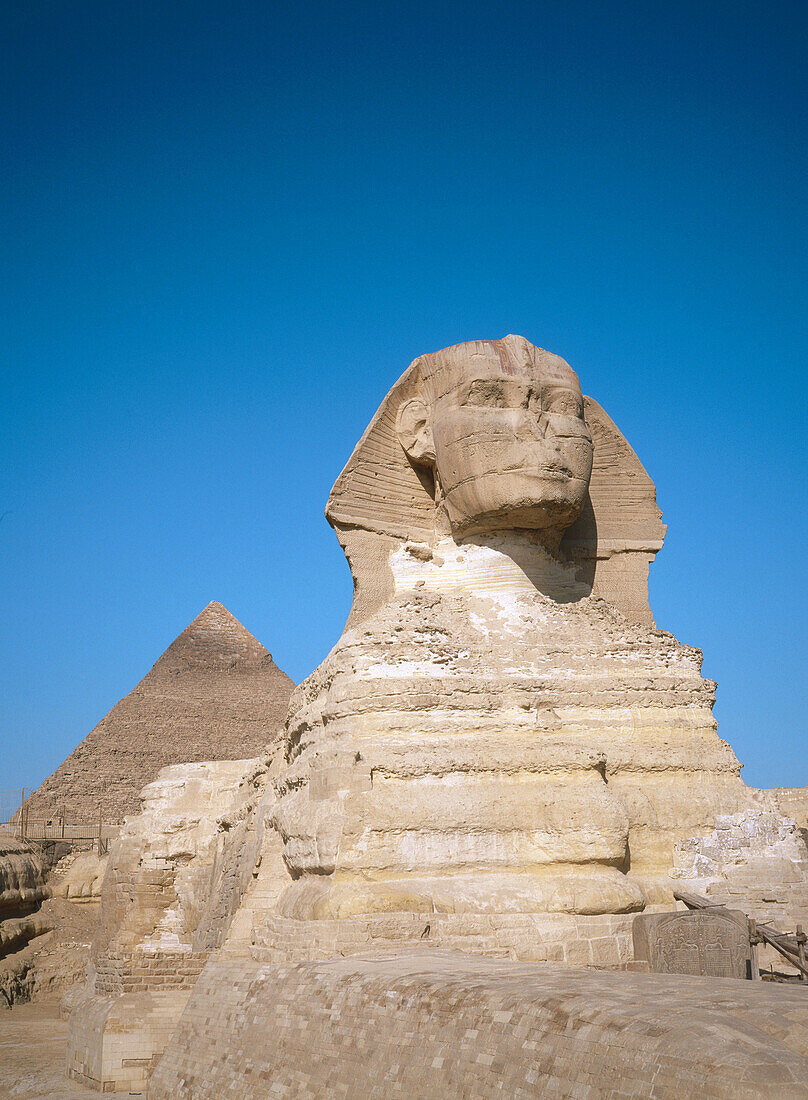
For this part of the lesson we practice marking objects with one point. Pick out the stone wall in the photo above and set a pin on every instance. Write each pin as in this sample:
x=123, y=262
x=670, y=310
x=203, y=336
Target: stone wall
x=147, y=971
x=755, y=861
x=443, y=1026
x=604, y=941
x=173, y=879
x=171, y=860
x=117, y=1041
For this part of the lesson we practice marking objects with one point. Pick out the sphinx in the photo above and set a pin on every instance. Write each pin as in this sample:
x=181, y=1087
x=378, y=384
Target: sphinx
x=502, y=755
x=500, y=728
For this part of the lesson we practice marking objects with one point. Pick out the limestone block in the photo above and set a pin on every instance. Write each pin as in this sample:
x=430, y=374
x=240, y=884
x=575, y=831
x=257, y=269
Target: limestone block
x=78, y=877
x=115, y=1042
x=166, y=860
x=791, y=802
x=756, y=861
x=172, y=882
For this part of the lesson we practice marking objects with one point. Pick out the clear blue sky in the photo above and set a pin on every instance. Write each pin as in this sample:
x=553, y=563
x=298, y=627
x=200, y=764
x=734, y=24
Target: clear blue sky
x=228, y=227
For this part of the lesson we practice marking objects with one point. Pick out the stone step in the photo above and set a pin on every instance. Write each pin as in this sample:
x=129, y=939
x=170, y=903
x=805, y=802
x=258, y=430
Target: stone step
x=240, y=928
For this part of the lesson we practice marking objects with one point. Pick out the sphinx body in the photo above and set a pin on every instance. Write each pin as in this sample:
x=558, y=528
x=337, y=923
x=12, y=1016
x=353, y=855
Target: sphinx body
x=500, y=729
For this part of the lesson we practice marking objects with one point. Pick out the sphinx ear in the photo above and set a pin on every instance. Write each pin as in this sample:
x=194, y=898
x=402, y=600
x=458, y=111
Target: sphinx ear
x=415, y=431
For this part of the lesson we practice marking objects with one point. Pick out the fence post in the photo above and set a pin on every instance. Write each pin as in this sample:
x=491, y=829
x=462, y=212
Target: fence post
x=754, y=940
x=801, y=938
x=63, y=821
x=99, y=830
x=22, y=814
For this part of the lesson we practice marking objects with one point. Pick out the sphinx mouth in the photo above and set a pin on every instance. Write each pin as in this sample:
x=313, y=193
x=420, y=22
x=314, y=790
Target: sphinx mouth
x=557, y=474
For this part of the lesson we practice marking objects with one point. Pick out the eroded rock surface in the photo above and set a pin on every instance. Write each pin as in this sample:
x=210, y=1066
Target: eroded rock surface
x=22, y=878
x=165, y=871
x=755, y=860
x=173, y=880
x=78, y=877
x=475, y=746
x=22, y=890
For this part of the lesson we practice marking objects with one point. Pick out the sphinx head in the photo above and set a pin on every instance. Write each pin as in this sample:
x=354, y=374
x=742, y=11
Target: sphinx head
x=500, y=426
x=489, y=437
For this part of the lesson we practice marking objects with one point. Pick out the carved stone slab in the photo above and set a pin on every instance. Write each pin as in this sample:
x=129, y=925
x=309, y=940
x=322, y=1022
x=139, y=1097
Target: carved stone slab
x=710, y=943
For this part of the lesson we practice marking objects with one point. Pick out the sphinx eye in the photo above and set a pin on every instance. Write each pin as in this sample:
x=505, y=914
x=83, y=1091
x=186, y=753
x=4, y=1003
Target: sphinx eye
x=565, y=402
x=487, y=393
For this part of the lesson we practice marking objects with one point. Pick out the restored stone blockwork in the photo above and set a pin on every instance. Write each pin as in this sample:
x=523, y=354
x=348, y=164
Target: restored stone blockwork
x=604, y=941
x=453, y=1026
x=115, y=1043
x=152, y=971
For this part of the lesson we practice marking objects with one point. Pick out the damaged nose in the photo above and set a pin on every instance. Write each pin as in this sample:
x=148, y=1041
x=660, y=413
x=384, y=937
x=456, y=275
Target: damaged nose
x=567, y=427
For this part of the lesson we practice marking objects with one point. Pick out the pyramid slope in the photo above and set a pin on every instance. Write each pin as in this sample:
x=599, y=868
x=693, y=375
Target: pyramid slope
x=215, y=694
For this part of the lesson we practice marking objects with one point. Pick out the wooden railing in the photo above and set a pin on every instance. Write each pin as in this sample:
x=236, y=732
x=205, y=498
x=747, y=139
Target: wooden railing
x=792, y=948
x=57, y=827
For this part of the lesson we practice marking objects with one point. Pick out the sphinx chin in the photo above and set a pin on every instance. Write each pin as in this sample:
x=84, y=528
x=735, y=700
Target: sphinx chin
x=526, y=499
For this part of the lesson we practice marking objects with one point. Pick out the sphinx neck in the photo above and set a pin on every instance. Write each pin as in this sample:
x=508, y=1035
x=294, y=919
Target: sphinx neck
x=384, y=566
x=508, y=561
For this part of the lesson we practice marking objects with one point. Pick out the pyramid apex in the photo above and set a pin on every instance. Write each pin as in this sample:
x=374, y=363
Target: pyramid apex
x=215, y=639
x=215, y=611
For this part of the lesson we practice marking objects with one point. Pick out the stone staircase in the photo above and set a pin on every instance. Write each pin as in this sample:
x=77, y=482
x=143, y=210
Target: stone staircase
x=258, y=901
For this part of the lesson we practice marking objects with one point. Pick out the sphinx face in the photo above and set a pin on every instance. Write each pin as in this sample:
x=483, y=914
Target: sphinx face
x=511, y=447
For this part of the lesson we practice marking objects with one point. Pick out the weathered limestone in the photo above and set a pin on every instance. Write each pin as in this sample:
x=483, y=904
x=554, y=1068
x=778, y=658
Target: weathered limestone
x=173, y=879
x=498, y=423
x=491, y=737
x=215, y=694
x=22, y=878
x=22, y=890
x=78, y=877
x=755, y=860
x=168, y=860
x=791, y=802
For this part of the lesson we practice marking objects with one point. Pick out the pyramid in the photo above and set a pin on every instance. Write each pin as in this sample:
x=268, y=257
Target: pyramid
x=215, y=694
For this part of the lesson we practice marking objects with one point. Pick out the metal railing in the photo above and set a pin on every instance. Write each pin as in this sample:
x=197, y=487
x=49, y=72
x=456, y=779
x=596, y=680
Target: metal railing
x=11, y=801
x=20, y=824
